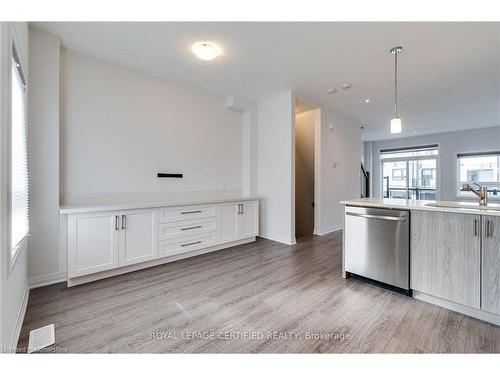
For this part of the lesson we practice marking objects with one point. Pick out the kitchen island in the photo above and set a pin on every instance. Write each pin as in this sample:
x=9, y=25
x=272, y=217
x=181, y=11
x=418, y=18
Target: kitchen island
x=452, y=250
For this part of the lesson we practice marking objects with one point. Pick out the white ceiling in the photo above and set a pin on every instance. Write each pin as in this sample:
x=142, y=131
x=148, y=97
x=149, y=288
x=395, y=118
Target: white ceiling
x=449, y=73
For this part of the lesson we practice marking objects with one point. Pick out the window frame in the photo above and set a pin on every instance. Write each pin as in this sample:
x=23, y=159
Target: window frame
x=468, y=195
x=13, y=50
x=426, y=157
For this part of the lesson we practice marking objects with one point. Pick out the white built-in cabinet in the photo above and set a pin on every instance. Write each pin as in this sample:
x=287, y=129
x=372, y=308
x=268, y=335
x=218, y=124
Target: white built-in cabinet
x=103, y=241
x=228, y=221
x=138, y=241
x=238, y=220
x=247, y=219
x=106, y=240
x=92, y=242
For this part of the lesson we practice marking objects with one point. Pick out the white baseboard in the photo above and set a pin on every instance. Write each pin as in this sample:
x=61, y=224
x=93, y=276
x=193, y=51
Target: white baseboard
x=44, y=280
x=20, y=320
x=332, y=229
x=294, y=242
x=470, y=311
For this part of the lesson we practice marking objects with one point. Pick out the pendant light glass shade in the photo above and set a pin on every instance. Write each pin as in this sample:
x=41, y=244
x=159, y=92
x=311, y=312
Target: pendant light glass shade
x=396, y=125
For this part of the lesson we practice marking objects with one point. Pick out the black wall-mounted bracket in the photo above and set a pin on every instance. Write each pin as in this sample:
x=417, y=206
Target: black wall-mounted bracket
x=171, y=175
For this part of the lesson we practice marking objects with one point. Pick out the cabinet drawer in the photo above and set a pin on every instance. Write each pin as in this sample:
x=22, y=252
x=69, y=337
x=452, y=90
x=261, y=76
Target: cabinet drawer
x=185, y=213
x=186, y=228
x=186, y=244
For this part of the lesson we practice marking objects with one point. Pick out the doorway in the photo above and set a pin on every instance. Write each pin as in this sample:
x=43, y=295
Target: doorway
x=306, y=121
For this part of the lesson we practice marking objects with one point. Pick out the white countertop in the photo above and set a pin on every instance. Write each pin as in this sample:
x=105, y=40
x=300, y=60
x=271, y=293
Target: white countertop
x=493, y=209
x=113, y=202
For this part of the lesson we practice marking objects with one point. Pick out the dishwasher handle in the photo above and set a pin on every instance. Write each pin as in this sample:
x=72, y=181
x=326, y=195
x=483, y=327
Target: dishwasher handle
x=379, y=217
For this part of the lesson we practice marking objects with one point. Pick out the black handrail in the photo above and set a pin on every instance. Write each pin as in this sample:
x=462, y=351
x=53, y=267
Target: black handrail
x=366, y=175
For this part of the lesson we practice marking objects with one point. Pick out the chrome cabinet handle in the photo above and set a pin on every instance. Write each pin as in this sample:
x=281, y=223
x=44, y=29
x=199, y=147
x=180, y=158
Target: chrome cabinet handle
x=190, y=212
x=475, y=228
x=191, y=243
x=242, y=208
x=189, y=228
x=116, y=222
x=488, y=230
x=124, y=218
x=367, y=216
x=239, y=208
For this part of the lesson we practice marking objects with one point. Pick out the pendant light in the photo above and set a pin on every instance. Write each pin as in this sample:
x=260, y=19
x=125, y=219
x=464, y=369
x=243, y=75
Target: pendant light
x=396, y=121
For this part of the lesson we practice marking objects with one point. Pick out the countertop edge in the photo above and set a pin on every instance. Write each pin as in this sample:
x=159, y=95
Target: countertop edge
x=407, y=207
x=84, y=208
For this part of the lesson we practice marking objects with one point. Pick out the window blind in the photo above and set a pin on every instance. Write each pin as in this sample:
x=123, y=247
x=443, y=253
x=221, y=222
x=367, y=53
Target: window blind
x=410, y=149
x=19, y=159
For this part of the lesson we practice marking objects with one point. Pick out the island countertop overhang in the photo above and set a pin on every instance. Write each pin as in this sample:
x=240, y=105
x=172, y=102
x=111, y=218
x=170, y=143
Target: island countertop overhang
x=424, y=205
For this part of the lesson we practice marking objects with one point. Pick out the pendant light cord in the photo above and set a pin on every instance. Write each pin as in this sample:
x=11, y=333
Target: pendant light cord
x=396, y=84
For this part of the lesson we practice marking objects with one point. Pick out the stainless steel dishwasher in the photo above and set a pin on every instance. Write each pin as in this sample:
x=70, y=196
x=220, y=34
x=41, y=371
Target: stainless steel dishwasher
x=377, y=245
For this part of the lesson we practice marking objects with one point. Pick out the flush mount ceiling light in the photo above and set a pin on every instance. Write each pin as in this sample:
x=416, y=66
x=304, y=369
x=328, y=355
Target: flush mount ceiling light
x=396, y=121
x=346, y=86
x=367, y=100
x=205, y=50
x=331, y=91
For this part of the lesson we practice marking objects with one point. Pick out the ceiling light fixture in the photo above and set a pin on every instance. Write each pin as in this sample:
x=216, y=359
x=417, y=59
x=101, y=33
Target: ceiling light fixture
x=367, y=100
x=205, y=50
x=332, y=91
x=346, y=86
x=396, y=121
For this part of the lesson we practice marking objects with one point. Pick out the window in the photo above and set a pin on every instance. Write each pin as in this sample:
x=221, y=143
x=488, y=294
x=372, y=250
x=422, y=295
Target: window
x=482, y=168
x=19, y=225
x=399, y=174
x=410, y=173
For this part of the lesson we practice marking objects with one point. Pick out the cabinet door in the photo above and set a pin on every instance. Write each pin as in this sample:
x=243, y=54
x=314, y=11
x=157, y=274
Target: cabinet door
x=228, y=222
x=92, y=243
x=248, y=219
x=445, y=256
x=138, y=236
x=490, y=285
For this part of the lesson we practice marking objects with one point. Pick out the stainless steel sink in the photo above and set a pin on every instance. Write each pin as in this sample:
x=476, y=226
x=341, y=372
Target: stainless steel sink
x=464, y=206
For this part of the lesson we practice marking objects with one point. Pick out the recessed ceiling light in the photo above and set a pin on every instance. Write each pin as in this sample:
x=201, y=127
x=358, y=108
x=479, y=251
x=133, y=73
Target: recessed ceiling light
x=205, y=50
x=332, y=91
x=367, y=100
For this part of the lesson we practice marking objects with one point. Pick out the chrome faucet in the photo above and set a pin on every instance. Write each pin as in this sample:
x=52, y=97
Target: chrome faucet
x=481, y=193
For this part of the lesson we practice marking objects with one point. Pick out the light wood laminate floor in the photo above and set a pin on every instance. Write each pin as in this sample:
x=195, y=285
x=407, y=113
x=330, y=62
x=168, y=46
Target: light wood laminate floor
x=292, y=299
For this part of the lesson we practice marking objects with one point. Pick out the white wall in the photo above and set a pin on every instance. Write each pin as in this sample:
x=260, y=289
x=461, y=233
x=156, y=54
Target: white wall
x=119, y=128
x=43, y=157
x=13, y=280
x=340, y=168
x=275, y=173
x=249, y=150
x=487, y=139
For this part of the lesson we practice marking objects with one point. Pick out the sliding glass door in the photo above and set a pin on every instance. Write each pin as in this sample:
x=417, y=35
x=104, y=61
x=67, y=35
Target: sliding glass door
x=409, y=173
